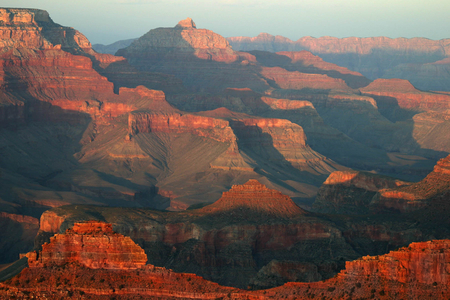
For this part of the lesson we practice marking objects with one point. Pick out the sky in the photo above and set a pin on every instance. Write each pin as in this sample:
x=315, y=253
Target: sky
x=107, y=21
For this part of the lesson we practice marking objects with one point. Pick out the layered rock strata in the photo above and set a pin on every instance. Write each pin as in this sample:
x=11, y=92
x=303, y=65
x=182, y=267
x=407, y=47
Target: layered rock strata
x=256, y=197
x=417, y=195
x=231, y=240
x=92, y=244
x=401, y=93
x=203, y=59
x=422, y=61
x=419, y=271
x=351, y=192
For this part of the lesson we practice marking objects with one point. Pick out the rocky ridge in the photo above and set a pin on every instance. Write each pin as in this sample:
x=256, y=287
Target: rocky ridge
x=92, y=244
x=418, y=272
x=256, y=197
x=417, y=195
x=220, y=242
x=422, y=61
x=350, y=192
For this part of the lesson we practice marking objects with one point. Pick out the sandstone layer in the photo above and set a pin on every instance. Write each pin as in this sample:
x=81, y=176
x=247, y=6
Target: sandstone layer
x=92, y=244
x=256, y=197
x=417, y=195
x=417, y=272
x=401, y=93
x=203, y=59
x=229, y=241
x=350, y=192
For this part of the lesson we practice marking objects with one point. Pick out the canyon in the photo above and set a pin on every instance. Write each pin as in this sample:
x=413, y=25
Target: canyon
x=421, y=61
x=188, y=165
x=418, y=271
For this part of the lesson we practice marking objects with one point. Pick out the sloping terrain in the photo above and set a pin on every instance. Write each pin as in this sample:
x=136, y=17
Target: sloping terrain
x=422, y=61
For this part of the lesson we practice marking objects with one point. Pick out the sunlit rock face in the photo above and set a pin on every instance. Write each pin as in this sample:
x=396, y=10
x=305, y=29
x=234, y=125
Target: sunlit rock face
x=417, y=195
x=351, y=192
x=91, y=244
x=202, y=59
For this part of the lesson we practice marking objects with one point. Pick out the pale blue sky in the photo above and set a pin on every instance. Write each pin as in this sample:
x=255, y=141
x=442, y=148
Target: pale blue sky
x=105, y=21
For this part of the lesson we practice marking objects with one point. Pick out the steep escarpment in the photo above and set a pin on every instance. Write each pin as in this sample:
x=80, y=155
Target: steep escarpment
x=93, y=245
x=47, y=72
x=350, y=192
x=401, y=93
x=417, y=195
x=422, y=61
x=202, y=59
x=307, y=63
x=279, y=140
x=229, y=241
x=141, y=122
x=418, y=271
x=424, y=263
x=256, y=197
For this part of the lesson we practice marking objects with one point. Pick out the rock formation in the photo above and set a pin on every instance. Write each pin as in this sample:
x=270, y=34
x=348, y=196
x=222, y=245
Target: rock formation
x=425, y=262
x=350, y=192
x=297, y=81
x=306, y=62
x=93, y=245
x=216, y=129
x=392, y=93
x=221, y=242
x=422, y=61
x=203, y=59
x=417, y=272
x=417, y=195
x=255, y=197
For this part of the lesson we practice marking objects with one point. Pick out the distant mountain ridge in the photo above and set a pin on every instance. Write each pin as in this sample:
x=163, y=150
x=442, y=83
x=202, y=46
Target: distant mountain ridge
x=422, y=61
x=112, y=48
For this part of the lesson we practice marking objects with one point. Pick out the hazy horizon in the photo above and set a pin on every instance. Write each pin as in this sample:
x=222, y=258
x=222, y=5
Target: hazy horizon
x=106, y=22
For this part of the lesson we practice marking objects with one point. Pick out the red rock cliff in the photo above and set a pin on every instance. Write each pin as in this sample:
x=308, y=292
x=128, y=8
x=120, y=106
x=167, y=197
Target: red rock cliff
x=425, y=262
x=91, y=244
x=351, y=191
x=257, y=197
x=406, y=95
x=416, y=195
x=216, y=129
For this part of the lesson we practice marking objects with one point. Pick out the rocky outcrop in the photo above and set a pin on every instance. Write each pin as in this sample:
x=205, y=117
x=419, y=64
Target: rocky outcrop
x=93, y=245
x=306, y=62
x=256, y=197
x=216, y=129
x=47, y=72
x=419, y=271
x=419, y=60
x=185, y=39
x=424, y=263
x=228, y=241
x=401, y=93
x=350, y=192
x=201, y=58
x=297, y=81
x=417, y=195
x=279, y=140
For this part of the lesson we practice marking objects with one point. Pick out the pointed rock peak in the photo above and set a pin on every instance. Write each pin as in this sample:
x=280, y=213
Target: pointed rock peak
x=254, y=184
x=186, y=23
x=255, y=197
